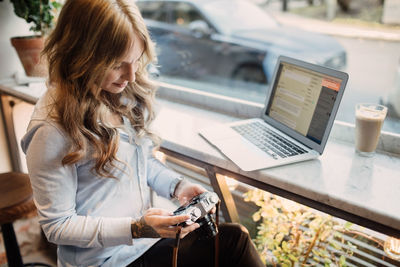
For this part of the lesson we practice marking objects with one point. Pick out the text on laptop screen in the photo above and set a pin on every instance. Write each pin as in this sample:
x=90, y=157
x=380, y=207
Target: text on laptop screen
x=303, y=100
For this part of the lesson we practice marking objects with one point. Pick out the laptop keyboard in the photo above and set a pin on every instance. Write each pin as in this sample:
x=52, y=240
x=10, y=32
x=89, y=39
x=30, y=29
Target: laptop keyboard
x=267, y=140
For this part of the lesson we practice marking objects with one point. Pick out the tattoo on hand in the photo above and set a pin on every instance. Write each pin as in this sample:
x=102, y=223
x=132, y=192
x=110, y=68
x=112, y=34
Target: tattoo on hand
x=140, y=229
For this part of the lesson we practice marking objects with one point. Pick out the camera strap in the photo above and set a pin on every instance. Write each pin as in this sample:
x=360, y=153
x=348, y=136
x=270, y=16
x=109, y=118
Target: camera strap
x=176, y=247
x=216, y=240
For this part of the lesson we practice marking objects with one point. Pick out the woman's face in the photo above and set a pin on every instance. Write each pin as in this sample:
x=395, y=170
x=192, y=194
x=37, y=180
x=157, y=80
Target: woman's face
x=117, y=77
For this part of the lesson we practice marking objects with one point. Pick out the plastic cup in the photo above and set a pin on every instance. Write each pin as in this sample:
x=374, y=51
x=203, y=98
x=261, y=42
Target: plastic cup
x=369, y=121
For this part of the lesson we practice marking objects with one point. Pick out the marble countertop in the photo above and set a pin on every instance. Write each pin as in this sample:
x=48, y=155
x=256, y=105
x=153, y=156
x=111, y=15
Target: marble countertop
x=366, y=187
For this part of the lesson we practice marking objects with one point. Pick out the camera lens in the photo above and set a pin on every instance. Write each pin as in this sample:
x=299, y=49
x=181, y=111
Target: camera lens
x=208, y=229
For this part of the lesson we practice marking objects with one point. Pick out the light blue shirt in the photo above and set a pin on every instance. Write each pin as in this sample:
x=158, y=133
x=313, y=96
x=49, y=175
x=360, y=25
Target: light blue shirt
x=88, y=216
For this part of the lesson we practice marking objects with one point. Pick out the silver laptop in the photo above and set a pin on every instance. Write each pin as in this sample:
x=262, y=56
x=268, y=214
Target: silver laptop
x=295, y=123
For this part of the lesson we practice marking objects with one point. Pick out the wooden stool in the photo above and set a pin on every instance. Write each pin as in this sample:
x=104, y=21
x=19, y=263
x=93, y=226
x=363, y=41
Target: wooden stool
x=16, y=202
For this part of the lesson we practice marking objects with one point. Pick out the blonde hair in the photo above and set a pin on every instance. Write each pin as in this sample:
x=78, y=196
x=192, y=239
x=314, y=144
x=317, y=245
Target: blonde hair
x=90, y=36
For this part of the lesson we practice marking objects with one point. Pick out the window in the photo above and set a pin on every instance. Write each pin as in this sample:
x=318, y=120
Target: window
x=183, y=14
x=153, y=11
x=230, y=48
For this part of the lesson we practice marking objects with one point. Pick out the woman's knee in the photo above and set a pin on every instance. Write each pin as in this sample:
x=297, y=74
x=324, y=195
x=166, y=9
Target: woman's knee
x=233, y=230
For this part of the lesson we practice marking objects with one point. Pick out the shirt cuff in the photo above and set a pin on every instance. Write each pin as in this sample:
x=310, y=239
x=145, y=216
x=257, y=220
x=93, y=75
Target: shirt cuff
x=174, y=185
x=117, y=231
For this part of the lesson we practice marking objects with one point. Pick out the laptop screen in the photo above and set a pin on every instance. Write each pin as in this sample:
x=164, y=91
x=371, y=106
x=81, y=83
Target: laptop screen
x=303, y=99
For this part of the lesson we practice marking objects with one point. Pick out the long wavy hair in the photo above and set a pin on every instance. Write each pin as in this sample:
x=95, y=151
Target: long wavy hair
x=90, y=36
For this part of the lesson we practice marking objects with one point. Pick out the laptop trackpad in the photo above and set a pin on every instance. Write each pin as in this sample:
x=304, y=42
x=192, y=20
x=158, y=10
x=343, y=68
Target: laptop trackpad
x=243, y=153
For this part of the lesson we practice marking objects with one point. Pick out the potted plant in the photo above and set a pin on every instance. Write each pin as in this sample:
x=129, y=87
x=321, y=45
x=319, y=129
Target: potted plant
x=40, y=14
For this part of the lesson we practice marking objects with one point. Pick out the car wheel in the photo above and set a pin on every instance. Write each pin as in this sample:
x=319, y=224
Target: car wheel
x=250, y=73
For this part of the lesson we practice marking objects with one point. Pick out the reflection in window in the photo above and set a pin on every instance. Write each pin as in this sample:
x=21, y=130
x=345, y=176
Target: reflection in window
x=183, y=14
x=230, y=47
x=153, y=10
x=239, y=15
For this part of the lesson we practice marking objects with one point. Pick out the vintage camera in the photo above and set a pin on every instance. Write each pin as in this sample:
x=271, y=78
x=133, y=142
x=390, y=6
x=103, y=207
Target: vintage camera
x=199, y=210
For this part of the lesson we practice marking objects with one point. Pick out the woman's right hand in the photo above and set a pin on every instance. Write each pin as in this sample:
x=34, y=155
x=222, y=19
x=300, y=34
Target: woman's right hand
x=161, y=223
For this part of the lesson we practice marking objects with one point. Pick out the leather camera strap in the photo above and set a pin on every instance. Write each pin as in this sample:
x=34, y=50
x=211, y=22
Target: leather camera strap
x=216, y=256
x=216, y=240
x=176, y=247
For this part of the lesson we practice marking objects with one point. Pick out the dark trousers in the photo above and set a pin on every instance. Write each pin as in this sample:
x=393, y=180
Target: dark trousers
x=235, y=249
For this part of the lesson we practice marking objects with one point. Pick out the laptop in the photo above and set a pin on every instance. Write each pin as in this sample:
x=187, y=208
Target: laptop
x=295, y=123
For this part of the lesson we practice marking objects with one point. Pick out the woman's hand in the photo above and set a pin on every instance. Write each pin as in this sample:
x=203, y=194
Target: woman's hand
x=160, y=223
x=187, y=190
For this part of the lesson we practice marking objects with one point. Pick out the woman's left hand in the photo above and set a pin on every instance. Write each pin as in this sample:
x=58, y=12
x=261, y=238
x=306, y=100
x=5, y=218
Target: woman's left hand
x=187, y=190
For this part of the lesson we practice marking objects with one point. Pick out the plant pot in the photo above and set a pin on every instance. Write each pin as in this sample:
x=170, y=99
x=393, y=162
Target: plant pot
x=29, y=49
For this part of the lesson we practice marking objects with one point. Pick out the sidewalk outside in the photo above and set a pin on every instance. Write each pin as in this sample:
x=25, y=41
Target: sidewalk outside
x=347, y=30
x=336, y=28
x=328, y=27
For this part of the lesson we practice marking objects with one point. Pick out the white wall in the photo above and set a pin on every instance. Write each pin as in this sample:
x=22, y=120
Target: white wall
x=10, y=25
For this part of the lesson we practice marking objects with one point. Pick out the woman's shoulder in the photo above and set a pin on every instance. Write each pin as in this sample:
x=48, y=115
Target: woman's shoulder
x=44, y=112
x=43, y=123
x=44, y=108
x=44, y=131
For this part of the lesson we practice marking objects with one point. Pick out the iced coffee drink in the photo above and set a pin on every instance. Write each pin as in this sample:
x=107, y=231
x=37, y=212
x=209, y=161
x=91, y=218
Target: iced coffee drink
x=369, y=121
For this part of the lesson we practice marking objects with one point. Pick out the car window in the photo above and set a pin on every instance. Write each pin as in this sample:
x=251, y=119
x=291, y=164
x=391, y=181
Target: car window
x=153, y=10
x=236, y=16
x=183, y=14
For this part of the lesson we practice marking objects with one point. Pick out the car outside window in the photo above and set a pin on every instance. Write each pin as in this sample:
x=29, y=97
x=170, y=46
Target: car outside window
x=238, y=15
x=230, y=48
x=183, y=14
x=153, y=10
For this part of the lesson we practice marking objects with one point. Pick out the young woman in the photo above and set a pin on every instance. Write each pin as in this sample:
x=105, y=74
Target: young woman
x=89, y=150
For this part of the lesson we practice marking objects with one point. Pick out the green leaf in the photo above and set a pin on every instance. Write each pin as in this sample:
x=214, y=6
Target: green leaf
x=325, y=255
x=285, y=246
x=353, y=247
x=338, y=235
x=37, y=12
x=342, y=261
x=286, y=263
x=316, y=252
x=335, y=245
x=256, y=216
x=56, y=5
x=348, y=225
x=293, y=258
